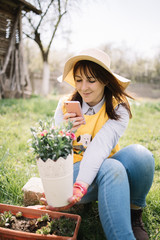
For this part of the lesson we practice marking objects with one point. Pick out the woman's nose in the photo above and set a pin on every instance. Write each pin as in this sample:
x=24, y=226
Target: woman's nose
x=84, y=85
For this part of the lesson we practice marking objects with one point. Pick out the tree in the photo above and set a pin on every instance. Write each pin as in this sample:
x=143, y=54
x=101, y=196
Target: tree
x=43, y=28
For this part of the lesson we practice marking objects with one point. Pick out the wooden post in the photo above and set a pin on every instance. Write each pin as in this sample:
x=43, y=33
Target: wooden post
x=10, y=48
x=21, y=60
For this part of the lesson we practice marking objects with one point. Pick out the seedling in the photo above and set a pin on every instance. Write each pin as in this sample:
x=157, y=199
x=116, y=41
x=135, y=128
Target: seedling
x=18, y=214
x=5, y=219
x=44, y=218
x=44, y=230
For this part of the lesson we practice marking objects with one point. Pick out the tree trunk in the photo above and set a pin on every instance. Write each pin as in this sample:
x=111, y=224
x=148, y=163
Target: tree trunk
x=45, y=80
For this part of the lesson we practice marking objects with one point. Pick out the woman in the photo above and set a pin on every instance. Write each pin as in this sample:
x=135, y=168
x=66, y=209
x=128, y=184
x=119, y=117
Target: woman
x=118, y=179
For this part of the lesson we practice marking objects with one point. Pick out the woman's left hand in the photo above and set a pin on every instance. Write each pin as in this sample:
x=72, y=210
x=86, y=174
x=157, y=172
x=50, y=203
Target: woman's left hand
x=77, y=121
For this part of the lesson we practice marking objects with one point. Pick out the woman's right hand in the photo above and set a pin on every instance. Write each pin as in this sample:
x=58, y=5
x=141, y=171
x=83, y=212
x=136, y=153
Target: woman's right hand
x=77, y=121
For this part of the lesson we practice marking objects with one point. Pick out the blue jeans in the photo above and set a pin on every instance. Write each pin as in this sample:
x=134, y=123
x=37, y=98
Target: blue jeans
x=124, y=178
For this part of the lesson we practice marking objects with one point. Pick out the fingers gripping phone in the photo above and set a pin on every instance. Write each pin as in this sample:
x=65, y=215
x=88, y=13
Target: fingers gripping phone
x=74, y=107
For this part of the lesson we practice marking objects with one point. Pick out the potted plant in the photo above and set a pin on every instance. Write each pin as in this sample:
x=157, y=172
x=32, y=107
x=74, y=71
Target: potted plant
x=31, y=224
x=53, y=148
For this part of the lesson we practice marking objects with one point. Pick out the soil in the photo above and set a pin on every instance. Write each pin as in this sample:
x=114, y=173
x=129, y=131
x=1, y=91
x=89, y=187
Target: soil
x=62, y=226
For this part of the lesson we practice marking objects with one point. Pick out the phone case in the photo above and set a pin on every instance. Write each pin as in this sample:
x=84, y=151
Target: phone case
x=74, y=107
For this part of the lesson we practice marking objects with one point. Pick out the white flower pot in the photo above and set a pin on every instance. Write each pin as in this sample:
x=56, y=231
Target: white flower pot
x=57, y=180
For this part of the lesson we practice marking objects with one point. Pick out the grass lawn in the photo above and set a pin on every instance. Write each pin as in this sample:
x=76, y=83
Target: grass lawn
x=17, y=164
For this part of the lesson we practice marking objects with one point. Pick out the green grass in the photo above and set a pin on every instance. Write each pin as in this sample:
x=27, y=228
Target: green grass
x=17, y=164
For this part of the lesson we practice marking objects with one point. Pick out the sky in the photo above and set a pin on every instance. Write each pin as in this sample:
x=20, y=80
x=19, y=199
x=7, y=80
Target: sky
x=123, y=23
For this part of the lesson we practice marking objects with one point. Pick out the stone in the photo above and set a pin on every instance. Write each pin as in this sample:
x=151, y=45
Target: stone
x=33, y=191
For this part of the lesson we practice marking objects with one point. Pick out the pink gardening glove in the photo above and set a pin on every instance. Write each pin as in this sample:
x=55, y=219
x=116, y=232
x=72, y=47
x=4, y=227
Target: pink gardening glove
x=79, y=190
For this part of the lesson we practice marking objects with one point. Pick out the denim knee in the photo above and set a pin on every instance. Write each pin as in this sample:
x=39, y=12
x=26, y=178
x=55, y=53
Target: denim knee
x=112, y=170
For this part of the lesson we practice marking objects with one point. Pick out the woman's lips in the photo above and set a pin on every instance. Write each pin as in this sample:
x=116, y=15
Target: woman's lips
x=86, y=94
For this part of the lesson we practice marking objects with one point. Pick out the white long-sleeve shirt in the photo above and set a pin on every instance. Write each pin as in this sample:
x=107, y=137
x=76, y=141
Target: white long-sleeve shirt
x=101, y=145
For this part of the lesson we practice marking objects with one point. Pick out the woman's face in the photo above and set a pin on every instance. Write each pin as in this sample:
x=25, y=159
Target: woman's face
x=90, y=89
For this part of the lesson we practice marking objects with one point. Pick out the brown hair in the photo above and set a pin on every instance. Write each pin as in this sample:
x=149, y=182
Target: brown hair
x=112, y=87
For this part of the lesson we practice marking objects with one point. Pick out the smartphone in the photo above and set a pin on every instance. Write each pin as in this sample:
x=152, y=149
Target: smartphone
x=74, y=107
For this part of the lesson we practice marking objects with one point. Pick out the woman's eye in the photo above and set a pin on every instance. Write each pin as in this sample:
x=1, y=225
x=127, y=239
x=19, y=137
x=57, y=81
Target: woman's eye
x=92, y=81
x=78, y=80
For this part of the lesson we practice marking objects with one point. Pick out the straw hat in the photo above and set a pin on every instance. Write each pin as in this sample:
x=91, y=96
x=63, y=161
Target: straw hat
x=93, y=55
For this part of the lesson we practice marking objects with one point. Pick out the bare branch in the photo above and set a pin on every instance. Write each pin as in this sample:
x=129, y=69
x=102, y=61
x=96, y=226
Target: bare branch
x=59, y=6
x=30, y=21
x=28, y=36
x=55, y=29
x=44, y=14
x=39, y=4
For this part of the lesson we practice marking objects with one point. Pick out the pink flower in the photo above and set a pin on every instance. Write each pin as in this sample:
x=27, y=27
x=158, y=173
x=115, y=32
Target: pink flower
x=44, y=133
x=61, y=133
x=68, y=133
x=73, y=136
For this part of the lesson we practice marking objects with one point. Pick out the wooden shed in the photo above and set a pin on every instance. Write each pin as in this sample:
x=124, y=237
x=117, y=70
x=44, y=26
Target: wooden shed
x=14, y=79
